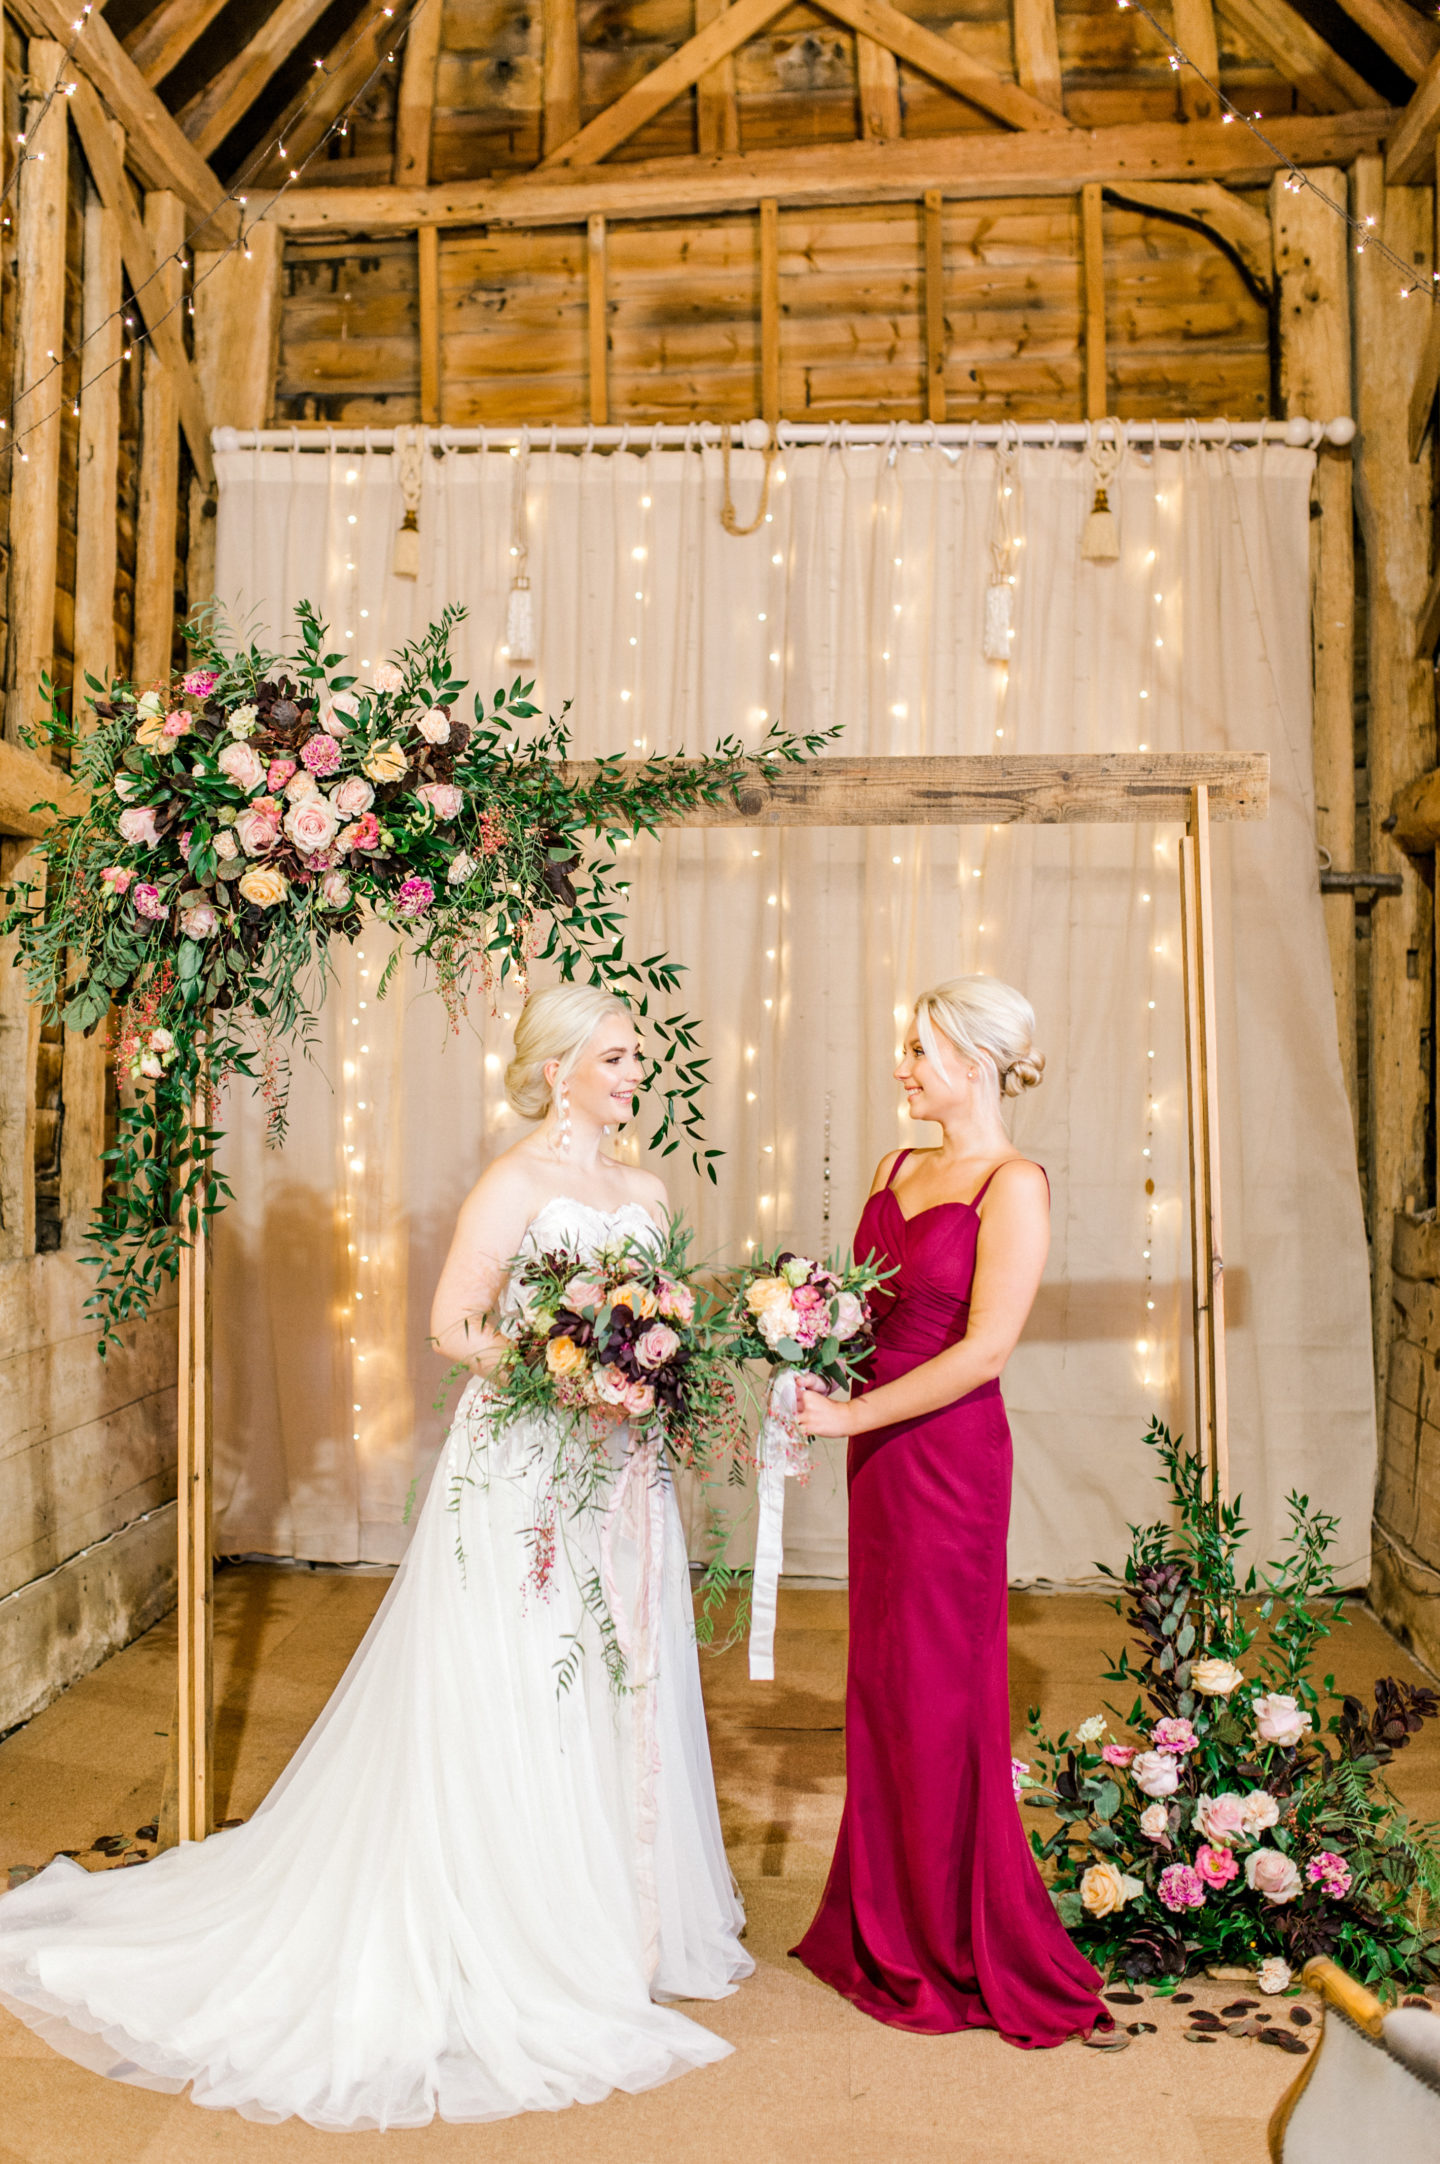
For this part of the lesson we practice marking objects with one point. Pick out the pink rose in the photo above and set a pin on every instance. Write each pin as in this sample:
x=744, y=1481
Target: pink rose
x=199, y=922
x=1221, y=1818
x=199, y=683
x=434, y=725
x=243, y=765
x=1331, y=1872
x=1216, y=1865
x=443, y=798
x=320, y=753
x=611, y=1385
x=352, y=796
x=177, y=724
x=656, y=1345
x=639, y=1400
x=1271, y=1874
x=388, y=678
x=584, y=1291
x=1181, y=1887
x=1117, y=1754
x=147, y=901
x=675, y=1300
x=1155, y=1773
x=1154, y=1822
x=364, y=834
x=138, y=827
x=312, y=824
x=116, y=877
x=1278, y=1719
x=278, y=774
x=335, y=890
x=337, y=713
x=414, y=898
x=849, y=1315
x=258, y=831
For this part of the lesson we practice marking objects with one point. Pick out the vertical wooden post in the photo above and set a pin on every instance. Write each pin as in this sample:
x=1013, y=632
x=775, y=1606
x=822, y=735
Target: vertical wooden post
x=717, y=109
x=770, y=312
x=1392, y=496
x=1203, y=1108
x=193, y=1745
x=1037, y=49
x=1195, y=35
x=159, y=465
x=598, y=323
x=429, y=248
x=560, y=75
x=237, y=343
x=1092, y=256
x=35, y=424
x=415, y=106
x=877, y=81
x=934, y=305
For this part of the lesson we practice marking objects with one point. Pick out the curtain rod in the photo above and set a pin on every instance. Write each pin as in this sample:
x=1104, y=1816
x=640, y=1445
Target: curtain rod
x=753, y=435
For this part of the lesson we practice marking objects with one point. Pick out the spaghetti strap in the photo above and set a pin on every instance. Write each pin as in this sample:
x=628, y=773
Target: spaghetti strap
x=979, y=1196
x=896, y=1167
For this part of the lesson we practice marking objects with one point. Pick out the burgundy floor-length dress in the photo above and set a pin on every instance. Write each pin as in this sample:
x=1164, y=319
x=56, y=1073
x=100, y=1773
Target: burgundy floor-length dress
x=935, y=1917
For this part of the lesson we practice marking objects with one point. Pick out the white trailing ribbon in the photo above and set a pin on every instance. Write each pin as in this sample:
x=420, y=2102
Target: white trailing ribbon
x=782, y=1453
x=636, y=1514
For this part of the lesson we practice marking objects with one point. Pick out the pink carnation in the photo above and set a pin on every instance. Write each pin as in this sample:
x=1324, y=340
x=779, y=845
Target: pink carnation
x=414, y=898
x=1174, y=1735
x=148, y=903
x=1019, y=1767
x=1216, y=1865
x=279, y=773
x=675, y=1300
x=177, y=724
x=199, y=683
x=320, y=753
x=1117, y=1754
x=1181, y=1887
x=364, y=833
x=1331, y=1872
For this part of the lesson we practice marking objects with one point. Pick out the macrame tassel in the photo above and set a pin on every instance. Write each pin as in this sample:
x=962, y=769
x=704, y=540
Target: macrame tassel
x=999, y=600
x=1100, y=542
x=405, y=563
x=520, y=621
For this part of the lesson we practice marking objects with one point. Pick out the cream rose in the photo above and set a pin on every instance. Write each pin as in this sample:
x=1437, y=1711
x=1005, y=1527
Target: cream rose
x=1092, y=1730
x=384, y=762
x=1273, y=1974
x=150, y=702
x=1156, y=1773
x=243, y=718
x=353, y=796
x=1261, y=1812
x=263, y=884
x=1104, y=1889
x=1154, y=1822
x=1214, y=1678
x=312, y=824
x=388, y=678
x=1278, y=1719
x=458, y=870
x=765, y=1292
x=226, y=846
x=1272, y=1875
x=243, y=765
x=434, y=725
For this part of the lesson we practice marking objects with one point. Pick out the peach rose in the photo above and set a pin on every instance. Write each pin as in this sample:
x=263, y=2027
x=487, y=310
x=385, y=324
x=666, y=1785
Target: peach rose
x=612, y=1385
x=226, y=845
x=1104, y=1889
x=384, y=762
x=434, y=725
x=1215, y=1678
x=564, y=1357
x=640, y=1302
x=1261, y=1812
x=1154, y=1822
x=264, y=885
x=639, y=1400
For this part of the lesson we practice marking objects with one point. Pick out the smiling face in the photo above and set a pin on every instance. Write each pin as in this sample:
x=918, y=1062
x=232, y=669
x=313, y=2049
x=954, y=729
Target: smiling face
x=932, y=1092
x=604, y=1082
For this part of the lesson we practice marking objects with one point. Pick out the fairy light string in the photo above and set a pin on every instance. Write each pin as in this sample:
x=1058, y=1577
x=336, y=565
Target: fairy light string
x=232, y=196
x=1367, y=237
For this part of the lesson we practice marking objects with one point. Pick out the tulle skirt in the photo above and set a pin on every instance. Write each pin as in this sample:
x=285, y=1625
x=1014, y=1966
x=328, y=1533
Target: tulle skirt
x=480, y=1872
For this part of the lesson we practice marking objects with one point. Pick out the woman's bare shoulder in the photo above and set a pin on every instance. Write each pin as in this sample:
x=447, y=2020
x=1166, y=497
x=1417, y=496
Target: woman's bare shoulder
x=1018, y=1180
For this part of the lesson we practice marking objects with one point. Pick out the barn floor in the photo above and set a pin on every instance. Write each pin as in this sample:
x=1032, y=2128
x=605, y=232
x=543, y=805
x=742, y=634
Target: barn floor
x=810, y=2077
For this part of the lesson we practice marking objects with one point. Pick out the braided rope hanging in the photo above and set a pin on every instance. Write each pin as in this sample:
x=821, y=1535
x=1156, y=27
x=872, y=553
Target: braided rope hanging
x=727, y=509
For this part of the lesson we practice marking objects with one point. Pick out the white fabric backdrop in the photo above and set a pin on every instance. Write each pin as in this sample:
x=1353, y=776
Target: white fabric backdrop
x=860, y=600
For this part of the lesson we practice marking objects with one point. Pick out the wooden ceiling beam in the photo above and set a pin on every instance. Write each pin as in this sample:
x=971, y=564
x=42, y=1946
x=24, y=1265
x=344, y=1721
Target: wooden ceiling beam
x=157, y=150
x=162, y=40
x=415, y=107
x=1409, y=39
x=220, y=107
x=311, y=113
x=1410, y=151
x=1036, y=46
x=1323, y=79
x=1195, y=35
x=945, y=63
x=1207, y=203
x=723, y=35
x=971, y=166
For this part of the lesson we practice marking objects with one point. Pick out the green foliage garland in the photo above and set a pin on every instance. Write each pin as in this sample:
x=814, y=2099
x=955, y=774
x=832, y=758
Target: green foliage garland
x=241, y=818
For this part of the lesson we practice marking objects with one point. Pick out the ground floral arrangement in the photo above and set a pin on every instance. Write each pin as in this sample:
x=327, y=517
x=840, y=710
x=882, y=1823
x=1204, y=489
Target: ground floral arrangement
x=244, y=816
x=1225, y=1821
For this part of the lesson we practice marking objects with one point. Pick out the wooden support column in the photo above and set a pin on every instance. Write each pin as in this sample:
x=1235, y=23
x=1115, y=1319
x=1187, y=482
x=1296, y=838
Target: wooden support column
x=598, y=324
x=429, y=246
x=237, y=345
x=1197, y=925
x=1037, y=49
x=19, y=1051
x=560, y=75
x=717, y=108
x=1312, y=269
x=770, y=312
x=415, y=107
x=159, y=463
x=1092, y=258
x=1393, y=499
x=1195, y=35
x=934, y=305
x=35, y=425
x=877, y=81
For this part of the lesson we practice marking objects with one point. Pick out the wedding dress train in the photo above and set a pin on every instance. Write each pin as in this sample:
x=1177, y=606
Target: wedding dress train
x=472, y=1883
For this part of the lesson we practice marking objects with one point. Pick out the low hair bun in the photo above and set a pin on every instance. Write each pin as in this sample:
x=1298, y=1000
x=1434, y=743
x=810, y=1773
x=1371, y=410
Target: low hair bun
x=1023, y=1074
x=985, y=1021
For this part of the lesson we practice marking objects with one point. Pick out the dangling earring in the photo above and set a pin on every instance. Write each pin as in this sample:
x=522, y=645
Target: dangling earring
x=562, y=1106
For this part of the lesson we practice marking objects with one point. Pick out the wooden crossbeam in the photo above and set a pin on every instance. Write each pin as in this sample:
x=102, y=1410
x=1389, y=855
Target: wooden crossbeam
x=1409, y=39
x=159, y=153
x=228, y=96
x=717, y=107
x=1300, y=53
x=1410, y=152
x=1207, y=203
x=722, y=35
x=1037, y=49
x=964, y=167
x=1086, y=789
x=26, y=781
x=311, y=113
x=415, y=108
x=946, y=63
x=161, y=41
x=108, y=174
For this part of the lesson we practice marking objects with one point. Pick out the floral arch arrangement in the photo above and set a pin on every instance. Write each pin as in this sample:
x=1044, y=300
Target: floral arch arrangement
x=241, y=818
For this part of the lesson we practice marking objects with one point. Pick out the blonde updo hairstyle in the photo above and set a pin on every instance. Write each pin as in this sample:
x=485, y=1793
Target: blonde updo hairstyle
x=987, y=1022
x=554, y=1024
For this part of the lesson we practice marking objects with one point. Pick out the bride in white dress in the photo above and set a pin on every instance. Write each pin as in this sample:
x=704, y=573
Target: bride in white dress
x=471, y=1887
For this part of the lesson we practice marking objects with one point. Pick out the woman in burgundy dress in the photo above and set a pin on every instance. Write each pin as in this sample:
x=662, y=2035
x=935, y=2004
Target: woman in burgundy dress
x=935, y=1917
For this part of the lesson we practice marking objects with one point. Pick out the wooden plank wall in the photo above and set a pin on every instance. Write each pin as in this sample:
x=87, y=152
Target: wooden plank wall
x=1185, y=334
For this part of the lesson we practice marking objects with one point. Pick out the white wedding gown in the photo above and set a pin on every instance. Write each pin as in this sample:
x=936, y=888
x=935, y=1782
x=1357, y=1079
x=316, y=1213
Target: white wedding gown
x=469, y=1888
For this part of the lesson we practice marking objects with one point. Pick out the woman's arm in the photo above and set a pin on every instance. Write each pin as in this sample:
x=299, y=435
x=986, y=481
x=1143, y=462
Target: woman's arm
x=1009, y=1261
x=489, y=1229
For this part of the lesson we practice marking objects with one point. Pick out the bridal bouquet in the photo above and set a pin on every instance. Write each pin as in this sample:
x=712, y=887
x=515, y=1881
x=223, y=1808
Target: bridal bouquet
x=804, y=1318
